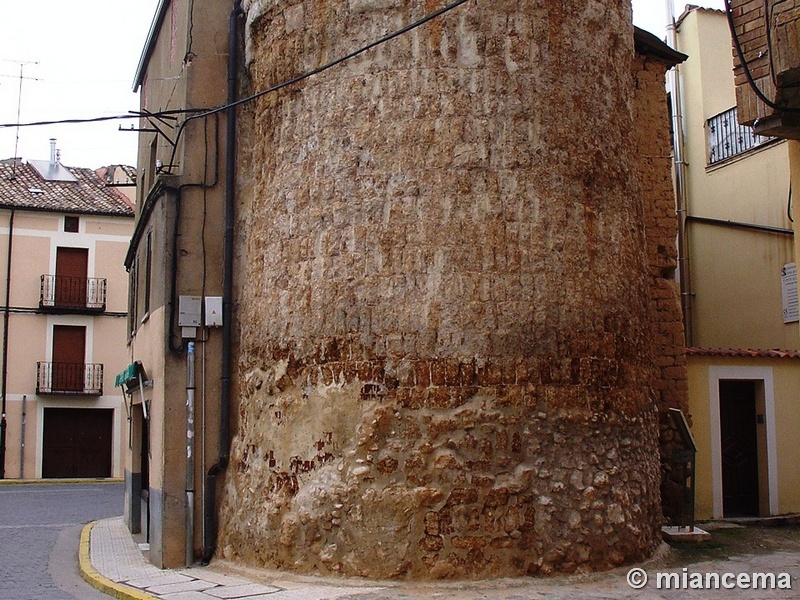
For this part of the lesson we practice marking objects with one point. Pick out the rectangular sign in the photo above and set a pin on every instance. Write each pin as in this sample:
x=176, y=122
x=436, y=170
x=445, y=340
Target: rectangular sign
x=791, y=314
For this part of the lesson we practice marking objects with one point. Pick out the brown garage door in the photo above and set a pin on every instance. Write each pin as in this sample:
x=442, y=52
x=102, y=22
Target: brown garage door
x=77, y=442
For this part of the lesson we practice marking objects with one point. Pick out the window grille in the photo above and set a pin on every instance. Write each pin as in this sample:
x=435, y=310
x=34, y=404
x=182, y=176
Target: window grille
x=726, y=138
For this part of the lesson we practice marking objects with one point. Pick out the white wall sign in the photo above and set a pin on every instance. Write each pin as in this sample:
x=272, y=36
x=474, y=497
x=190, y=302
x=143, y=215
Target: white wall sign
x=791, y=313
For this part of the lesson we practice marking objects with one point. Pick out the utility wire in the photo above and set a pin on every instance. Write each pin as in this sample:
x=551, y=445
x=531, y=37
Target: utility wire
x=130, y=115
x=317, y=70
x=197, y=113
x=748, y=74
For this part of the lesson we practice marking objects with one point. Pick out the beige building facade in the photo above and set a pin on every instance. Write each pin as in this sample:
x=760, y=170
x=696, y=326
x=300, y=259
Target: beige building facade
x=63, y=239
x=739, y=287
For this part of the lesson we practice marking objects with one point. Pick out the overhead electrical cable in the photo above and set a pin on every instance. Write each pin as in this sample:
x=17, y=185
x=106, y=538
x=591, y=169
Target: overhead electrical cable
x=198, y=113
x=130, y=115
x=748, y=74
x=298, y=78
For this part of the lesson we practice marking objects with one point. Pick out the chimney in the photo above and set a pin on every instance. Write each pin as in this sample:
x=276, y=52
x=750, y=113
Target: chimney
x=53, y=153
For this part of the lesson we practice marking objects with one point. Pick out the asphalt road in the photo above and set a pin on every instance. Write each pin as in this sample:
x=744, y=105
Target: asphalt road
x=40, y=526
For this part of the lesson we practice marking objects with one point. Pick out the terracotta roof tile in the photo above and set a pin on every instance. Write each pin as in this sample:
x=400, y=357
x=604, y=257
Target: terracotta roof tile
x=23, y=188
x=740, y=352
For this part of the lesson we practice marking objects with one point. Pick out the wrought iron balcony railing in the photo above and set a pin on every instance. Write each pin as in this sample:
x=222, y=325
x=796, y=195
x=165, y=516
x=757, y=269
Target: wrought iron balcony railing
x=73, y=294
x=726, y=138
x=76, y=379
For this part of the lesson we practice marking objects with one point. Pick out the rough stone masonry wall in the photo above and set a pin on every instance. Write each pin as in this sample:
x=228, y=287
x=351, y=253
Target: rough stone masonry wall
x=654, y=152
x=445, y=367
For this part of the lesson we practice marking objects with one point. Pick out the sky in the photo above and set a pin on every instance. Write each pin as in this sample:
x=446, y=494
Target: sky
x=78, y=59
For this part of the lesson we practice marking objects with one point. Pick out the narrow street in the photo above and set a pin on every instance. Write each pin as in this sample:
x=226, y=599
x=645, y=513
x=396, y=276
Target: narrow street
x=40, y=526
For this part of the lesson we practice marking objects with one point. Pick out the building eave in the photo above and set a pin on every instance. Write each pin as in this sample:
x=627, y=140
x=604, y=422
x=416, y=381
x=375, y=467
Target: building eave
x=150, y=43
x=647, y=43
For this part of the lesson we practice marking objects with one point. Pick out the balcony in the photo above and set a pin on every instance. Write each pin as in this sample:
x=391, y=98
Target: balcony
x=60, y=293
x=726, y=138
x=69, y=379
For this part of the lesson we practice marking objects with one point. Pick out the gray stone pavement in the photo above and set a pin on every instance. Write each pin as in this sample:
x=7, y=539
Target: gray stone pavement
x=118, y=560
x=39, y=528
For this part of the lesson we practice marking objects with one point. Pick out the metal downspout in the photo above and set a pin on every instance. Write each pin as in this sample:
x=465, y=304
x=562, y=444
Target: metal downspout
x=209, y=508
x=190, y=430
x=3, y=423
x=681, y=199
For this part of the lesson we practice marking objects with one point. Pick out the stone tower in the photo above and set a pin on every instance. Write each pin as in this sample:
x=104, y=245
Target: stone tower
x=444, y=366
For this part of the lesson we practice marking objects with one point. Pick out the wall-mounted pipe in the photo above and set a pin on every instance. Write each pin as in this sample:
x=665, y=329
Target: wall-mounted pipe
x=22, y=425
x=739, y=225
x=190, y=388
x=4, y=382
x=209, y=508
x=679, y=163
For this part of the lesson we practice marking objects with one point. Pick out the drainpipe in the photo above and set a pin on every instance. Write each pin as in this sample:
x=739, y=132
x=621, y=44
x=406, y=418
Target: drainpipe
x=22, y=437
x=190, y=389
x=681, y=197
x=209, y=508
x=3, y=423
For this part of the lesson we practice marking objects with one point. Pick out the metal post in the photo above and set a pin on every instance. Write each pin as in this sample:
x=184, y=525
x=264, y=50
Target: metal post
x=190, y=389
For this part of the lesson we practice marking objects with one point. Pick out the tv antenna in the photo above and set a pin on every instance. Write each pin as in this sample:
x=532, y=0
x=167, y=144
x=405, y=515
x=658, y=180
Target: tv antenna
x=22, y=64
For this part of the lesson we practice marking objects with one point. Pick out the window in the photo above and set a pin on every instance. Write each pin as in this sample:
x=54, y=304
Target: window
x=726, y=138
x=132, y=293
x=71, y=224
x=148, y=265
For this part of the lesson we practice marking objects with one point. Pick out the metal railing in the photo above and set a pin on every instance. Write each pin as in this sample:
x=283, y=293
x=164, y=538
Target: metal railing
x=83, y=379
x=726, y=138
x=60, y=292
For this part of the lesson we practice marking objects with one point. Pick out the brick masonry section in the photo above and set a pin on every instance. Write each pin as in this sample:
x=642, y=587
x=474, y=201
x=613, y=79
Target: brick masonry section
x=449, y=368
x=768, y=33
x=670, y=388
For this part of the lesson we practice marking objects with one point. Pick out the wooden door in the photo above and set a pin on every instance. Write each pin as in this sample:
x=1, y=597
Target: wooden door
x=77, y=442
x=737, y=414
x=71, y=277
x=69, y=352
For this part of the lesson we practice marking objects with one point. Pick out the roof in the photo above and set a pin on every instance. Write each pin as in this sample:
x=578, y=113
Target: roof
x=647, y=43
x=111, y=171
x=742, y=353
x=690, y=8
x=22, y=187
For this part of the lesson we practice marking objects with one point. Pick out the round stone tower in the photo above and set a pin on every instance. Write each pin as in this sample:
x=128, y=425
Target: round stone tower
x=444, y=367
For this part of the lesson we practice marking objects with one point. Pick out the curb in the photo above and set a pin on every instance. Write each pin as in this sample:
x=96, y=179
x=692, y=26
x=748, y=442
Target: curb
x=96, y=580
x=61, y=481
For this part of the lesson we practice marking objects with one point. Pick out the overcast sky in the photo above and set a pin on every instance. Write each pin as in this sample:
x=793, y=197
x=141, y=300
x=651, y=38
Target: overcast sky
x=79, y=59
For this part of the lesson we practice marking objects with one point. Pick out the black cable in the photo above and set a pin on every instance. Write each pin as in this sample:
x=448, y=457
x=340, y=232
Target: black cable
x=180, y=347
x=203, y=112
x=130, y=115
x=317, y=70
x=740, y=53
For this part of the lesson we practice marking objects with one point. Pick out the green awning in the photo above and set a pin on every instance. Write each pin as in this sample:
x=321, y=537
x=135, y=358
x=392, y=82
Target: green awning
x=129, y=377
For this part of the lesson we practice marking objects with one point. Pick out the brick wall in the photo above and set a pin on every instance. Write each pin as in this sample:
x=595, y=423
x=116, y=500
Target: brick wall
x=768, y=33
x=655, y=158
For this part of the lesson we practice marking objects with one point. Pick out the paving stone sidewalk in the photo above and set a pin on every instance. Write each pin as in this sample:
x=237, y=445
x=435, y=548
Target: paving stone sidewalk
x=122, y=571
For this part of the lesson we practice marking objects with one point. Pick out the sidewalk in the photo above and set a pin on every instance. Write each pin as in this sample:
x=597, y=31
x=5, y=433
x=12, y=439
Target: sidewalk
x=111, y=561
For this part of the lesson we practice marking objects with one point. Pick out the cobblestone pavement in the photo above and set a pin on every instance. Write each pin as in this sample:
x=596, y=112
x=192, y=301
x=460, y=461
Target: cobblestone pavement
x=115, y=556
x=33, y=518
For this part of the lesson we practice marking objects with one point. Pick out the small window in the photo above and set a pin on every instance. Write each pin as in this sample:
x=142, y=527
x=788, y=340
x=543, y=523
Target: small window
x=71, y=224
